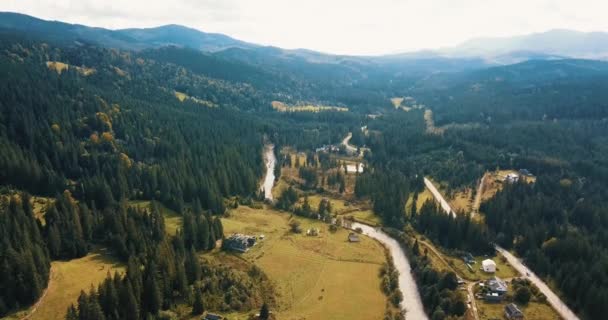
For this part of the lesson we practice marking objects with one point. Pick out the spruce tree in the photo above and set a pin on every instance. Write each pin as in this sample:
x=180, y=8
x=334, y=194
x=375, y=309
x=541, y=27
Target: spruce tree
x=197, y=306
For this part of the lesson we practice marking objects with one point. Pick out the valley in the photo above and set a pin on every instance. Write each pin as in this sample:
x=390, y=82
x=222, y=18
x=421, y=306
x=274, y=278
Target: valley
x=169, y=173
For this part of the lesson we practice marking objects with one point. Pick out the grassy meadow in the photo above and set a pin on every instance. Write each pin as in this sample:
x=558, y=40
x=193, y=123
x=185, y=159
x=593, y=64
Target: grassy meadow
x=67, y=279
x=322, y=277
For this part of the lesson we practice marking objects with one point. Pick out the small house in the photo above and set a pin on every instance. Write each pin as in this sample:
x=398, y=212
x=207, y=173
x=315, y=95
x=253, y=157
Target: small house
x=312, y=232
x=353, y=237
x=492, y=297
x=488, y=266
x=497, y=285
x=525, y=172
x=512, y=178
x=512, y=312
x=468, y=258
x=240, y=242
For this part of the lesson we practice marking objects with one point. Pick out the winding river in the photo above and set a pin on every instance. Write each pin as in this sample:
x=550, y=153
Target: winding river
x=270, y=160
x=412, y=303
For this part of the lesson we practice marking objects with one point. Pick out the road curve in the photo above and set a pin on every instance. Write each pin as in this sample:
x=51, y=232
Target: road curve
x=350, y=148
x=552, y=298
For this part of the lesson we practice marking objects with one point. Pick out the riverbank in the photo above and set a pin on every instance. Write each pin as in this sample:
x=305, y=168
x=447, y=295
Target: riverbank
x=412, y=303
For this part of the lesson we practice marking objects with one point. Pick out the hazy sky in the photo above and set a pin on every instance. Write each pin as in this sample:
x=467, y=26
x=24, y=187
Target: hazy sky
x=336, y=26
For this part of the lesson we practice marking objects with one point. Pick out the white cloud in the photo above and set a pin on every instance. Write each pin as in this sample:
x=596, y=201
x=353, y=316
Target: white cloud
x=339, y=26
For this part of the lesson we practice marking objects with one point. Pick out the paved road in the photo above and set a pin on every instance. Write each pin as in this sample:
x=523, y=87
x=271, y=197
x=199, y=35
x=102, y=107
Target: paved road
x=349, y=148
x=552, y=298
x=438, y=197
x=477, y=201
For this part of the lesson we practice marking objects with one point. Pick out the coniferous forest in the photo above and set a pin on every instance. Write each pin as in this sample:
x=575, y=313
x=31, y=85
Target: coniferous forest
x=94, y=125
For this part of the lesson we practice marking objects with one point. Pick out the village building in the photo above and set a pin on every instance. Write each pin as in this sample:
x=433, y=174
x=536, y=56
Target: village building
x=496, y=290
x=512, y=312
x=213, y=316
x=488, y=266
x=353, y=237
x=239, y=242
x=468, y=258
x=312, y=232
x=512, y=178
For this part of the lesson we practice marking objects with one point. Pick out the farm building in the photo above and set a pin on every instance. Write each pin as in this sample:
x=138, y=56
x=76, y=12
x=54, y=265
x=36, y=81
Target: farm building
x=496, y=290
x=353, y=237
x=312, y=232
x=468, y=258
x=240, y=242
x=488, y=266
x=212, y=316
x=512, y=178
x=512, y=312
x=497, y=285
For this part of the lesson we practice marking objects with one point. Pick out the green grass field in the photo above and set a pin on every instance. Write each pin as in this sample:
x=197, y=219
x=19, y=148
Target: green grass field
x=503, y=269
x=364, y=216
x=323, y=277
x=68, y=278
x=533, y=311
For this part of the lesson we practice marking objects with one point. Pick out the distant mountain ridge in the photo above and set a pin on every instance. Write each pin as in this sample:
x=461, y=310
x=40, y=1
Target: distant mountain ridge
x=552, y=43
x=134, y=39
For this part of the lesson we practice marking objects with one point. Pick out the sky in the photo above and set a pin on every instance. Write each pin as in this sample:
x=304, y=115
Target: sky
x=334, y=26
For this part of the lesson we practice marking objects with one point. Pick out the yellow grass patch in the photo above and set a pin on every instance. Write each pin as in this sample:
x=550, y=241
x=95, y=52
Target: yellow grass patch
x=397, y=101
x=533, y=311
x=120, y=72
x=430, y=123
x=59, y=67
x=183, y=97
x=180, y=96
x=422, y=198
x=68, y=278
x=323, y=277
x=364, y=216
x=282, y=107
x=40, y=205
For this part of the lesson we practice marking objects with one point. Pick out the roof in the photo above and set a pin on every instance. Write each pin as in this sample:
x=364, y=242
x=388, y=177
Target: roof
x=497, y=285
x=488, y=262
x=212, y=316
x=512, y=309
x=353, y=237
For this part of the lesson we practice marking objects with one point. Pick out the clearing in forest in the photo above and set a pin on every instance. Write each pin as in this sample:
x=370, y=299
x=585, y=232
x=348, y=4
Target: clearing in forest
x=173, y=220
x=282, y=107
x=315, y=277
x=67, y=279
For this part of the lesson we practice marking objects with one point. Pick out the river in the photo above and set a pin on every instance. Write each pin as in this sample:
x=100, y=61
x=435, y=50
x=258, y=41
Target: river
x=270, y=160
x=412, y=303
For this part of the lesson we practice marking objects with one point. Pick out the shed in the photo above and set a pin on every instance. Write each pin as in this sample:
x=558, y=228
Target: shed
x=512, y=312
x=488, y=266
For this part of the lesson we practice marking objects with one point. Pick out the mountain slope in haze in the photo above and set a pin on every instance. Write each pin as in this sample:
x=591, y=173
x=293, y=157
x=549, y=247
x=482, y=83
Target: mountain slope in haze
x=558, y=42
x=123, y=39
x=531, y=90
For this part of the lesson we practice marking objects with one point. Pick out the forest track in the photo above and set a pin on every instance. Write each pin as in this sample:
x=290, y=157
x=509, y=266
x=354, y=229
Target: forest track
x=39, y=302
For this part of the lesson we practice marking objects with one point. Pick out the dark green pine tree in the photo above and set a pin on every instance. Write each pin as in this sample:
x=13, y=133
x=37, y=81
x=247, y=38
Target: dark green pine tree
x=152, y=299
x=264, y=312
x=129, y=308
x=192, y=266
x=72, y=313
x=197, y=306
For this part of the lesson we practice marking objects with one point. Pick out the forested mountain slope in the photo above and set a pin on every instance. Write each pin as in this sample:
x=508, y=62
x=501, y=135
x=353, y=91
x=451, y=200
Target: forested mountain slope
x=532, y=90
